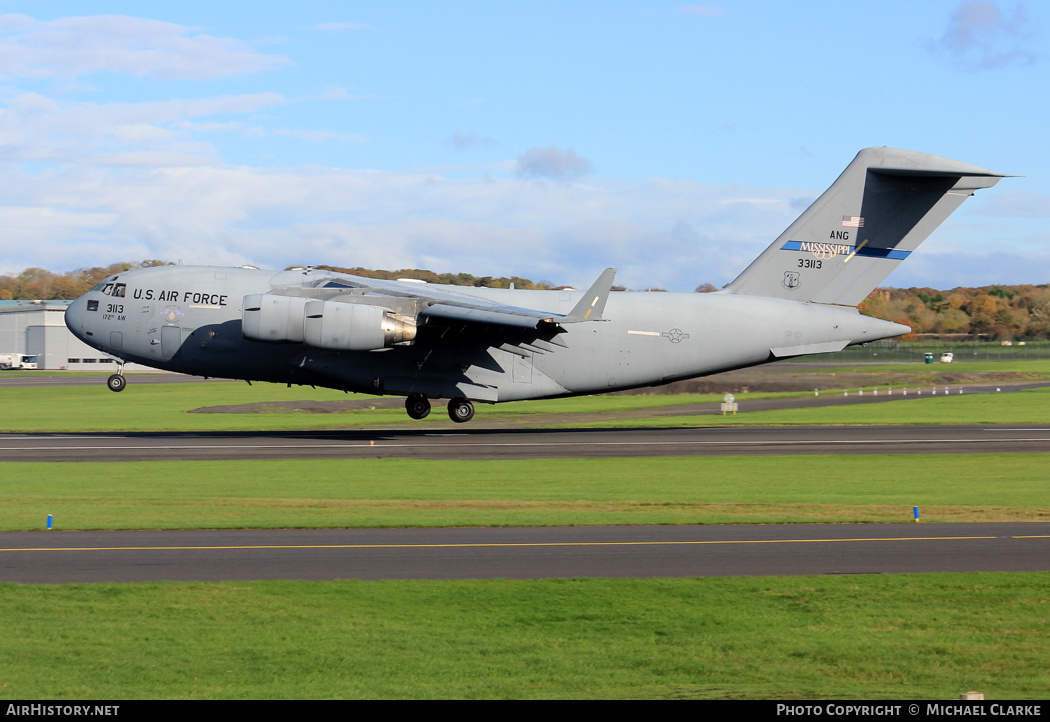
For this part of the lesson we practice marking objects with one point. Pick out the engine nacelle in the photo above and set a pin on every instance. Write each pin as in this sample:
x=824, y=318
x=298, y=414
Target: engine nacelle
x=324, y=324
x=355, y=327
x=274, y=318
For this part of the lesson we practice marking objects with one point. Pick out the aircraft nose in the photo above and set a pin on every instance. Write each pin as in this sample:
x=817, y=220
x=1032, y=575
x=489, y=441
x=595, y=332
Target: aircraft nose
x=76, y=317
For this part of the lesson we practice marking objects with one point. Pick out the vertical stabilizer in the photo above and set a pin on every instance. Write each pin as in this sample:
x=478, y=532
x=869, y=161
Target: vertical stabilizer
x=872, y=217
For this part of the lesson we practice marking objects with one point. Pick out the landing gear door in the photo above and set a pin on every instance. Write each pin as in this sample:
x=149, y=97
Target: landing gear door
x=170, y=340
x=522, y=373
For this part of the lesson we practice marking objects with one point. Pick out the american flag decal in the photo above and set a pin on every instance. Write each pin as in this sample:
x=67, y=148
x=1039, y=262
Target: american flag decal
x=852, y=221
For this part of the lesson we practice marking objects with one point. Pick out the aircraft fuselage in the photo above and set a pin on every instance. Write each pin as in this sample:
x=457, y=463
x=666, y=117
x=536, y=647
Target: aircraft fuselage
x=189, y=320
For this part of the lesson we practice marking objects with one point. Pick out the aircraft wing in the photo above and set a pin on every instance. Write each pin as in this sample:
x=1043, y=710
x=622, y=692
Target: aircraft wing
x=442, y=303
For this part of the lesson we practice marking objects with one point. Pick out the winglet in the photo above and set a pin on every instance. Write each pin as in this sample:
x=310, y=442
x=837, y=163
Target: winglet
x=592, y=305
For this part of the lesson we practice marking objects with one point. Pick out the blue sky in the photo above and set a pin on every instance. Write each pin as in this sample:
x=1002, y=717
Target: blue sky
x=548, y=140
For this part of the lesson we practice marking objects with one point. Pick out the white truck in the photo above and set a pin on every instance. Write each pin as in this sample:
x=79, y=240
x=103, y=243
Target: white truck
x=17, y=361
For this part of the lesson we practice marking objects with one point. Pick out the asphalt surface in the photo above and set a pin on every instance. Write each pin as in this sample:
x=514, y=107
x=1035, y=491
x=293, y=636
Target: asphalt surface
x=522, y=553
x=14, y=380
x=526, y=443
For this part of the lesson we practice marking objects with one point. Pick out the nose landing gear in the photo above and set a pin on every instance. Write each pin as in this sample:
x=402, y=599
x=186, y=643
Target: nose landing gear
x=117, y=382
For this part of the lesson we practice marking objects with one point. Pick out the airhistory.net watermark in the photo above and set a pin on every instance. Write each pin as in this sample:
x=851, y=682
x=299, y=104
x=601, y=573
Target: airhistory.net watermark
x=62, y=710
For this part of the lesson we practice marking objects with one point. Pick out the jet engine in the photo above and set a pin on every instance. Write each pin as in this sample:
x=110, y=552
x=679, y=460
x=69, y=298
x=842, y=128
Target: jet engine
x=324, y=324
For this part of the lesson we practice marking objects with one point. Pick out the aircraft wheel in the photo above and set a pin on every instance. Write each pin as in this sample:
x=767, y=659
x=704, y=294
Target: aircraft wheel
x=460, y=410
x=417, y=406
x=116, y=382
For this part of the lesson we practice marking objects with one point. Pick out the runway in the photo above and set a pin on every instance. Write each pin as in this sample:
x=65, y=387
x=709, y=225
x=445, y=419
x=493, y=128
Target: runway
x=480, y=443
x=522, y=553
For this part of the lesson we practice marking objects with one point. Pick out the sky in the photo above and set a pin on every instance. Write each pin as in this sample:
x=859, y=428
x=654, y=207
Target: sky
x=547, y=140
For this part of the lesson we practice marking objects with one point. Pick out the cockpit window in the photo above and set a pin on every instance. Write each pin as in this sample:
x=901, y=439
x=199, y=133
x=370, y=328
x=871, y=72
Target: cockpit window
x=113, y=289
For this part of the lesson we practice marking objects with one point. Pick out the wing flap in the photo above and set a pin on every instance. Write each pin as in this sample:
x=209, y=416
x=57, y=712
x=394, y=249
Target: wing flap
x=499, y=315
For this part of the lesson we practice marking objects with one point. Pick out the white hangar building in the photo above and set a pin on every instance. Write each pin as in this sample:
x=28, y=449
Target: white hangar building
x=38, y=328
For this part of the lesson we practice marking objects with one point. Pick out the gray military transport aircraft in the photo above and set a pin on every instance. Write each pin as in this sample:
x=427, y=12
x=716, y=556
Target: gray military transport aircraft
x=426, y=341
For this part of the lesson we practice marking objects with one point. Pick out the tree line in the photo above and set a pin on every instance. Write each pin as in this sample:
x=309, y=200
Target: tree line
x=451, y=279
x=997, y=313
x=40, y=284
x=987, y=312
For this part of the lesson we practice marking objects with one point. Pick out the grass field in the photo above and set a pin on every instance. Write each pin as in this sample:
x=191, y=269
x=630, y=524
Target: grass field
x=856, y=637
x=568, y=492
x=169, y=407
x=1026, y=407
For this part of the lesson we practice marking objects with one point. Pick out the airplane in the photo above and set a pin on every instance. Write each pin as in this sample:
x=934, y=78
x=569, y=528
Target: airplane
x=427, y=341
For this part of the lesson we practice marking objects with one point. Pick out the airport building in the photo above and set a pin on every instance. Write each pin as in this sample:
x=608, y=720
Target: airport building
x=38, y=328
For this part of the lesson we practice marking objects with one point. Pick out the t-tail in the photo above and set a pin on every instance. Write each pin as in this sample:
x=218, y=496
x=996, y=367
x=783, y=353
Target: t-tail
x=872, y=217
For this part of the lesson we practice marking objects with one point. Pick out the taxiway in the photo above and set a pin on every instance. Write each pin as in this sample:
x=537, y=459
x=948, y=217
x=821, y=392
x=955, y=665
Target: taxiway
x=522, y=553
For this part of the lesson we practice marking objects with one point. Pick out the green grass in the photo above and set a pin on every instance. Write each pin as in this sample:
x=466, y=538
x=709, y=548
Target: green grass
x=166, y=407
x=160, y=407
x=564, y=492
x=796, y=638
x=1027, y=407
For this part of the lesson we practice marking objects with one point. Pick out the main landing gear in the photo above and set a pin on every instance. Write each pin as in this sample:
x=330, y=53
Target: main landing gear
x=117, y=382
x=417, y=406
x=460, y=410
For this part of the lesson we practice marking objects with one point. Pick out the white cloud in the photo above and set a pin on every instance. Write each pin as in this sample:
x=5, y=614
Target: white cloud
x=944, y=271
x=553, y=163
x=71, y=47
x=495, y=226
x=980, y=36
x=316, y=136
x=1018, y=203
x=36, y=128
x=467, y=141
